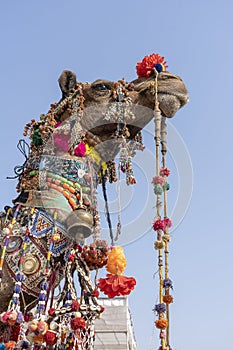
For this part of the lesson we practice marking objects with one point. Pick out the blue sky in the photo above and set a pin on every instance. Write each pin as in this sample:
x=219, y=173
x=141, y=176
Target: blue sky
x=106, y=39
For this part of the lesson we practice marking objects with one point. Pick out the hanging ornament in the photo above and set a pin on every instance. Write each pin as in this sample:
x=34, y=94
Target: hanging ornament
x=123, y=159
x=96, y=254
x=155, y=64
x=50, y=338
x=115, y=284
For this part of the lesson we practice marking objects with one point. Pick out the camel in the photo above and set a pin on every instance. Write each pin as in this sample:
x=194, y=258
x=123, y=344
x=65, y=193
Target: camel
x=83, y=130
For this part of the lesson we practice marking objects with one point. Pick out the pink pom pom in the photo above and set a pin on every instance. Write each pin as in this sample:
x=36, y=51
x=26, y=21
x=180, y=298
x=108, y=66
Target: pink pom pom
x=167, y=222
x=158, y=180
x=80, y=150
x=57, y=124
x=159, y=225
x=164, y=172
x=162, y=335
x=5, y=316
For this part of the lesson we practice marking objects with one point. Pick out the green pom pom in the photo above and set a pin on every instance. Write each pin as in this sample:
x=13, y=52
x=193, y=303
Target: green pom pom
x=166, y=186
x=36, y=138
x=158, y=189
x=32, y=173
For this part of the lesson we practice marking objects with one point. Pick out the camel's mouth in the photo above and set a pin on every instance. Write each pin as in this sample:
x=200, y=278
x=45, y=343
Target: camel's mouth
x=183, y=98
x=172, y=93
x=171, y=84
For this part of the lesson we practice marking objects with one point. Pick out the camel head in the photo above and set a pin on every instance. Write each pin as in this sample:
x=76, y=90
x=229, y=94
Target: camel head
x=106, y=104
x=172, y=93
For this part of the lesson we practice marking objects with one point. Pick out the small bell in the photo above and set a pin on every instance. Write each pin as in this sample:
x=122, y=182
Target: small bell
x=79, y=224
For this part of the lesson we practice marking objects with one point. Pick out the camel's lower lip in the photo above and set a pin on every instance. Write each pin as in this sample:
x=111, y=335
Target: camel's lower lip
x=181, y=97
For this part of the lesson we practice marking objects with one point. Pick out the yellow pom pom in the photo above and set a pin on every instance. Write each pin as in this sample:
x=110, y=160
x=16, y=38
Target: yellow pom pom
x=166, y=238
x=116, y=261
x=159, y=245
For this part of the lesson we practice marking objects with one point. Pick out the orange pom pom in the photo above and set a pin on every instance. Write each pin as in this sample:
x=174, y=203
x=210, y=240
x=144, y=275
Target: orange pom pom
x=161, y=323
x=38, y=339
x=116, y=261
x=10, y=345
x=114, y=285
x=168, y=299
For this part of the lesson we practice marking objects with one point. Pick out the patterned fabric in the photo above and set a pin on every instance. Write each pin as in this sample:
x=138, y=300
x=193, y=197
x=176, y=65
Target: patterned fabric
x=36, y=253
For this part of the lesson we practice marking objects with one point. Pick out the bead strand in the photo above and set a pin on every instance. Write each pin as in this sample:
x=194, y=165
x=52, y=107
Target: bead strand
x=64, y=180
x=7, y=231
x=42, y=298
x=20, y=276
x=67, y=190
x=52, y=238
x=17, y=290
x=44, y=285
x=25, y=243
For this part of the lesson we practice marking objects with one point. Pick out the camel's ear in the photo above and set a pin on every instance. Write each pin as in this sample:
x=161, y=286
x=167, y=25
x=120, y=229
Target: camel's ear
x=67, y=82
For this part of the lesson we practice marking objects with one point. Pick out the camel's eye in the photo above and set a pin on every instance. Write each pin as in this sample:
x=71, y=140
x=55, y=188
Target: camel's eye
x=101, y=87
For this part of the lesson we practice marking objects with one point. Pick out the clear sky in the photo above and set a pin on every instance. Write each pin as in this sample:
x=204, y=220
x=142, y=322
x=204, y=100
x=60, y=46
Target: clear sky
x=105, y=39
